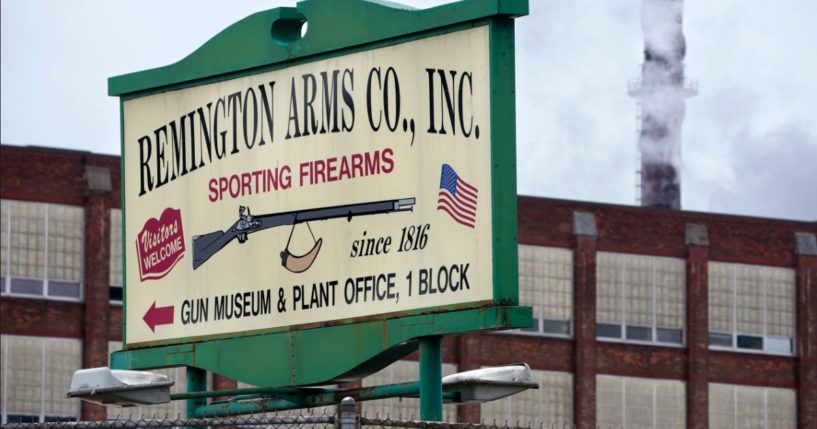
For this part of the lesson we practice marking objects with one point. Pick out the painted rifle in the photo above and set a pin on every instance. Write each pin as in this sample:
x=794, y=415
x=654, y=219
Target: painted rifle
x=207, y=245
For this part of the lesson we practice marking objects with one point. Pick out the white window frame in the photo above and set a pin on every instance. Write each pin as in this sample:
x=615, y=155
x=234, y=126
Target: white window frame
x=539, y=323
x=42, y=416
x=622, y=381
x=389, y=372
x=6, y=290
x=653, y=327
x=736, y=406
x=114, y=302
x=507, y=403
x=735, y=333
x=540, y=332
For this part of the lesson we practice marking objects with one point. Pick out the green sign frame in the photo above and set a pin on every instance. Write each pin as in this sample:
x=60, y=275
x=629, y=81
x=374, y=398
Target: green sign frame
x=270, y=40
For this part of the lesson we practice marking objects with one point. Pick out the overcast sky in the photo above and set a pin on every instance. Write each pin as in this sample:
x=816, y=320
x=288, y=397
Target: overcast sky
x=750, y=136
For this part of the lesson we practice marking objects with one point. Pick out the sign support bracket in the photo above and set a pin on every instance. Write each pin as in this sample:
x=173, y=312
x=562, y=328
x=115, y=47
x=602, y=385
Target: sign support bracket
x=431, y=385
x=196, y=382
x=389, y=340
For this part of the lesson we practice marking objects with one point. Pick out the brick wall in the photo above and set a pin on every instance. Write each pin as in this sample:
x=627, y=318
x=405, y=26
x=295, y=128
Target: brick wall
x=57, y=176
x=637, y=230
x=51, y=175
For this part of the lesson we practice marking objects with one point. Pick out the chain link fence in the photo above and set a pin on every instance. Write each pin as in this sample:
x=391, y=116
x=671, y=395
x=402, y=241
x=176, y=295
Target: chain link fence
x=287, y=422
x=347, y=417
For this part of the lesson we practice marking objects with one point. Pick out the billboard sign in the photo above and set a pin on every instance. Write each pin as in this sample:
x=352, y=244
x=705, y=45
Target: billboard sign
x=349, y=186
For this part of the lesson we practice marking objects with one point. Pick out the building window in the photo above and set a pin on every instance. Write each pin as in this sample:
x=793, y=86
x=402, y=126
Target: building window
x=115, y=265
x=551, y=405
x=42, y=250
x=640, y=298
x=36, y=373
x=733, y=407
x=626, y=402
x=402, y=371
x=546, y=284
x=751, y=308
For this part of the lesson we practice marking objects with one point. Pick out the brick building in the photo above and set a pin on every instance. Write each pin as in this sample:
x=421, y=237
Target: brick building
x=644, y=317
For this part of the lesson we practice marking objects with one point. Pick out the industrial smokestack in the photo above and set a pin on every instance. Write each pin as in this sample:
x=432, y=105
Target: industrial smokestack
x=661, y=94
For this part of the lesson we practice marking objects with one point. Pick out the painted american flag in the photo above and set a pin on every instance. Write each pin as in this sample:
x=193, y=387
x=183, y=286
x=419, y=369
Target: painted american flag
x=457, y=197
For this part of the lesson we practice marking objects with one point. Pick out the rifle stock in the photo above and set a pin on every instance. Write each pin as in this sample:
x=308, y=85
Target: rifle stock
x=205, y=246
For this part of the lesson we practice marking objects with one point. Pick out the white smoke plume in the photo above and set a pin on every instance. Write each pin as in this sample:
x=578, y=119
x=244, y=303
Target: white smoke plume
x=662, y=92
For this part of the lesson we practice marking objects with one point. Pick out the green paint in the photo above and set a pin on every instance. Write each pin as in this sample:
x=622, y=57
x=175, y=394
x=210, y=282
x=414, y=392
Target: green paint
x=246, y=392
x=122, y=206
x=196, y=381
x=251, y=407
x=298, y=357
x=431, y=375
x=288, y=399
x=260, y=40
x=503, y=162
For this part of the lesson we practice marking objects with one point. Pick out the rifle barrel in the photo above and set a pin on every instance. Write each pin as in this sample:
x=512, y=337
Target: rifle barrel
x=325, y=213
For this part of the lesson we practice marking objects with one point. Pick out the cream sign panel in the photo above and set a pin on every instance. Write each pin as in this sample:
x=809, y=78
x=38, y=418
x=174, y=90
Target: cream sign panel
x=341, y=188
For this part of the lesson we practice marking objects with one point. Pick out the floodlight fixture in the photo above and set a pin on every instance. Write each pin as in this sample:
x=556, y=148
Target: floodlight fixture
x=120, y=387
x=490, y=384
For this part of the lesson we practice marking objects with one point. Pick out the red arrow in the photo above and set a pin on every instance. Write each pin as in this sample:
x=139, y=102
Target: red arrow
x=158, y=316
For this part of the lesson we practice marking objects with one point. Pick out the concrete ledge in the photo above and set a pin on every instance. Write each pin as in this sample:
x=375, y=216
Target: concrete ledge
x=584, y=224
x=805, y=243
x=98, y=178
x=696, y=234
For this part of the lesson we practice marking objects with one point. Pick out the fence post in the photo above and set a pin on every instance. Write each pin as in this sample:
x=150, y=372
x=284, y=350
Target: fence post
x=348, y=414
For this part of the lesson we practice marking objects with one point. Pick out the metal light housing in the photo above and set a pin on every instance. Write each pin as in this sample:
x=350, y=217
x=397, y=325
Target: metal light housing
x=120, y=387
x=490, y=384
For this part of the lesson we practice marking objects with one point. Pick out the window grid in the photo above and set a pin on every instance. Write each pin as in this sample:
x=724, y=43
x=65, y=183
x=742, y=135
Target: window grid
x=749, y=312
x=721, y=303
x=115, y=264
x=666, y=397
x=737, y=407
x=401, y=372
x=546, y=284
x=35, y=373
x=639, y=402
x=638, y=295
x=65, y=231
x=28, y=240
x=5, y=242
x=640, y=298
x=780, y=303
x=551, y=404
x=609, y=292
x=751, y=308
x=669, y=298
x=42, y=247
x=639, y=406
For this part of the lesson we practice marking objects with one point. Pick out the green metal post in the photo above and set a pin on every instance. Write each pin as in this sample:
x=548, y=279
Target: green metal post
x=431, y=375
x=196, y=382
